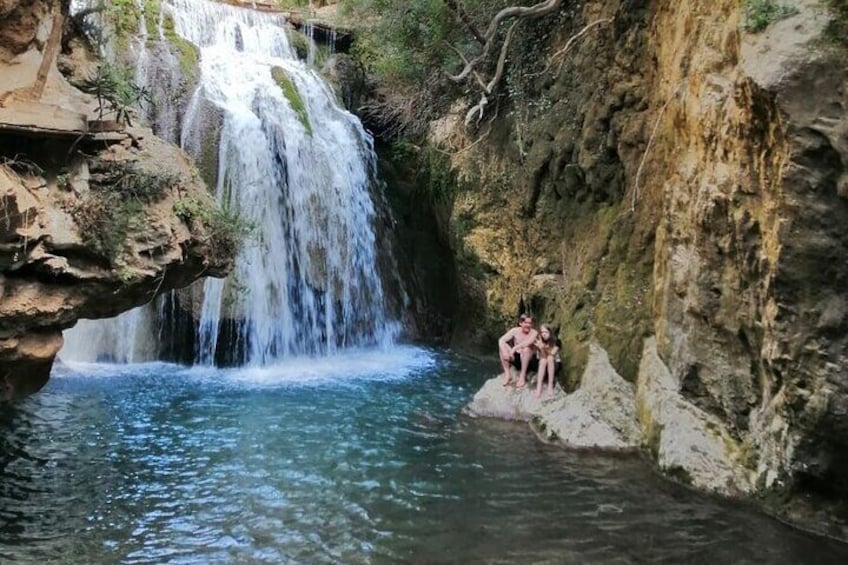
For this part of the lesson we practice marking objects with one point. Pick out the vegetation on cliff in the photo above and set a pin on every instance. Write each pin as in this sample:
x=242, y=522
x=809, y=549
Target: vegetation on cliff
x=537, y=163
x=759, y=14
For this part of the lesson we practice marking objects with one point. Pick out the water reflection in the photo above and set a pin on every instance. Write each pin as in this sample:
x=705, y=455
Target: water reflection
x=157, y=464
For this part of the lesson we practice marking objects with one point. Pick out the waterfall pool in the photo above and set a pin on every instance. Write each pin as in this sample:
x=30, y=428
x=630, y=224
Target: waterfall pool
x=362, y=457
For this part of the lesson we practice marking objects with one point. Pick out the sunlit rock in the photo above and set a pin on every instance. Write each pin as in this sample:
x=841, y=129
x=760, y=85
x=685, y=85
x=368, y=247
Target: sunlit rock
x=599, y=414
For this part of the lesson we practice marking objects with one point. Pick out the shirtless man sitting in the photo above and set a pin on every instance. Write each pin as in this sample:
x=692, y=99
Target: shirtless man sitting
x=521, y=352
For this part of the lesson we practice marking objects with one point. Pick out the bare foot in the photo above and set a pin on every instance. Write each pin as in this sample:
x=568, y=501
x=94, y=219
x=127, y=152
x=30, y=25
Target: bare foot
x=506, y=381
x=521, y=383
x=538, y=393
x=550, y=392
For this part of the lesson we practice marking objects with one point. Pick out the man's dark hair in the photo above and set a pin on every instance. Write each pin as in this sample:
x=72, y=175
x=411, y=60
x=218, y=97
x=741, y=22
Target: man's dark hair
x=524, y=316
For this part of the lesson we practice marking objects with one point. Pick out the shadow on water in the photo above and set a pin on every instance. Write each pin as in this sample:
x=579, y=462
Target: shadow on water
x=360, y=459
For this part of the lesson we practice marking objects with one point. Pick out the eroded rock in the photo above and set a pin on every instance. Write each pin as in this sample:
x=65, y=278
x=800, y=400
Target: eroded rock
x=91, y=224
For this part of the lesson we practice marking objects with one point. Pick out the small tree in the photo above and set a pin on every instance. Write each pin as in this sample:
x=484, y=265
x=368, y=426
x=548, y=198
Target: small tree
x=115, y=91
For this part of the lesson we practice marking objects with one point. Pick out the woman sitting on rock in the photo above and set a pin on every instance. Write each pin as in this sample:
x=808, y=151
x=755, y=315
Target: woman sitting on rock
x=548, y=349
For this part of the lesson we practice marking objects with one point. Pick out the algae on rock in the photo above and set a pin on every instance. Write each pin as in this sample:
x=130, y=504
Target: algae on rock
x=293, y=96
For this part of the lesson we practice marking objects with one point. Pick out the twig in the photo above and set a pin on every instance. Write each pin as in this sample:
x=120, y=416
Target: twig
x=466, y=148
x=158, y=286
x=570, y=43
x=648, y=146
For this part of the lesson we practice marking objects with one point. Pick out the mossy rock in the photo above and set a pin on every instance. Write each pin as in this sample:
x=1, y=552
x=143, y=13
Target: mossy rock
x=300, y=44
x=187, y=53
x=290, y=91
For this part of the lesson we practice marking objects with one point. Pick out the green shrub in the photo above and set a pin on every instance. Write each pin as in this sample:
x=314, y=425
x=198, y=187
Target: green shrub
x=227, y=230
x=114, y=207
x=288, y=4
x=129, y=181
x=105, y=220
x=115, y=90
x=759, y=14
x=191, y=208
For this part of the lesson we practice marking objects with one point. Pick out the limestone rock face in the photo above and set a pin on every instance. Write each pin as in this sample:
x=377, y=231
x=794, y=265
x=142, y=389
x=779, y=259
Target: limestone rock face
x=20, y=25
x=677, y=178
x=90, y=225
x=53, y=270
x=686, y=441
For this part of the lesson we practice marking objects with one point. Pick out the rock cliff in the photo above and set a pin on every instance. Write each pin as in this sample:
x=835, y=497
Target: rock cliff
x=91, y=223
x=673, y=188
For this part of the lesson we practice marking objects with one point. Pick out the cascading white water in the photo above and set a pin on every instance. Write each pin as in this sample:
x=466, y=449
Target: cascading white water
x=298, y=168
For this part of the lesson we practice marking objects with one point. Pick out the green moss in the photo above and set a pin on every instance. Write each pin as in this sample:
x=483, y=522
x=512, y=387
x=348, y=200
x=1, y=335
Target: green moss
x=679, y=474
x=837, y=28
x=152, y=9
x=293, y=96
x=187, y=53
x=759, y=14
x=124, y=16
x=300, y=43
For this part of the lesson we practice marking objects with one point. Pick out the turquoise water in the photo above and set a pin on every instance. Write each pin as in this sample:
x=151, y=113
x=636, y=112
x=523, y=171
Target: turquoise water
x=363, y=458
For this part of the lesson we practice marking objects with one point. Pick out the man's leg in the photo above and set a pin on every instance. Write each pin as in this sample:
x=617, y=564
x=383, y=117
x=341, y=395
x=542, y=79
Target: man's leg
x=507, y=375
x=526, y=354
x=505, y=357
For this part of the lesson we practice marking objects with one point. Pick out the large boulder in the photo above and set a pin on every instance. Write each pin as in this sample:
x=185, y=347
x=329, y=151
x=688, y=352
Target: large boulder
x=600, y=414
x=687, y=442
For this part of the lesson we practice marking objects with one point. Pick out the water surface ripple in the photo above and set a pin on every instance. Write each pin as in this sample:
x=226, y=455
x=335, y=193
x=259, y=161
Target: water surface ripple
x=360, y=458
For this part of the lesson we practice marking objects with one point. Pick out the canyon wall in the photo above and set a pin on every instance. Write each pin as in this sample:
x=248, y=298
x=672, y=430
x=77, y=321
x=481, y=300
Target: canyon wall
x=673, y=188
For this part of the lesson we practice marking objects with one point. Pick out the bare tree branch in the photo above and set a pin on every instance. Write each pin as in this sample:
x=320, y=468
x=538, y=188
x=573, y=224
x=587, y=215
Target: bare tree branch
x=489, y=88
x=477, y=76
x=522, y=12
x=455, y=7
x=648, y=146
x=499, y=70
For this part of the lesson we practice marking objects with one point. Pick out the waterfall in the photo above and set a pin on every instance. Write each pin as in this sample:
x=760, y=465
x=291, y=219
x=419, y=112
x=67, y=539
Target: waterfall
x=299, y=169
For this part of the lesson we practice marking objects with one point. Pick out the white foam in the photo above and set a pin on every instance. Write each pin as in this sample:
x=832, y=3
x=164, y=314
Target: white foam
x=352, y=366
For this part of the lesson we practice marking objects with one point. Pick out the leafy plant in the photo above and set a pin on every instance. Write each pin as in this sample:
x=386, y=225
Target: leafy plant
x=192, y=208
x=105, y=221
x=114, y=207
x=759, y=14
x=129, y=181
x=293, y=3
x=227, y=230
x=405, y=48
x=115, y=91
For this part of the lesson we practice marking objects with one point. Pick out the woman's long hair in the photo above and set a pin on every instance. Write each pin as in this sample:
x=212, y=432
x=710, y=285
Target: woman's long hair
x=551, y=341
